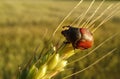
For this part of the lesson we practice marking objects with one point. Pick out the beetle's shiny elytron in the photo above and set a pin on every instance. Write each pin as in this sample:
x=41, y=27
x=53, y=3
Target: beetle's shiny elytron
x=81, y=38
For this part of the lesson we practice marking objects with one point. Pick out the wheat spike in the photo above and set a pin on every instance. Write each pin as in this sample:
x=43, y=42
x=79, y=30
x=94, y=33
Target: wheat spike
x=54, y=60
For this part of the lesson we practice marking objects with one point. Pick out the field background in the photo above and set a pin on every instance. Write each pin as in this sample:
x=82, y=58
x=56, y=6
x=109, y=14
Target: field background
x=26, y=24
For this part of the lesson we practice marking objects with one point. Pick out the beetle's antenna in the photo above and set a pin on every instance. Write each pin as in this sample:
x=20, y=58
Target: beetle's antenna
x=114, y=12
x=89, y=19
x=88, y=25
x=83, y=16
x=67, y=17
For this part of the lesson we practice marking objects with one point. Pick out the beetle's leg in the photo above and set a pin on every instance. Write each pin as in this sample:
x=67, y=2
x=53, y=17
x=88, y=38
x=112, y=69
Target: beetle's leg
x=66, y=42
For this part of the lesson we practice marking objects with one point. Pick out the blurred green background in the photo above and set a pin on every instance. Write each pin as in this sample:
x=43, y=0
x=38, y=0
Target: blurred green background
x=26, y=24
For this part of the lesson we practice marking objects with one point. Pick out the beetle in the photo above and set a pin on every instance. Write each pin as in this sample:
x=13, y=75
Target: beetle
x=81, y=38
